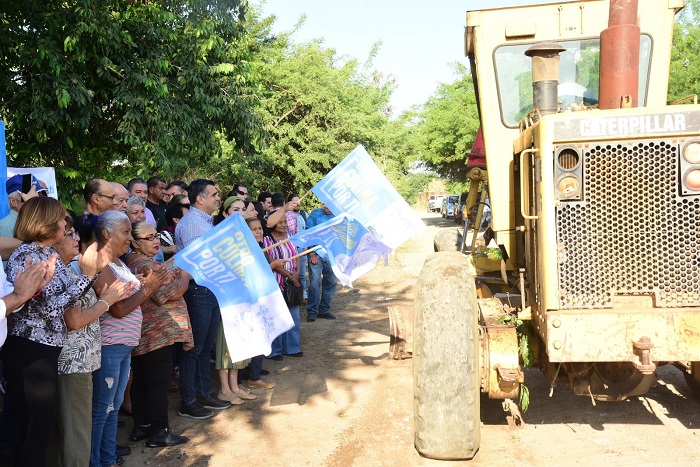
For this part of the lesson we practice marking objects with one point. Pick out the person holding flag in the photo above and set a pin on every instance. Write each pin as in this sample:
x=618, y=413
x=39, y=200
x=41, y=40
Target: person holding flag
x=322, y=280
x=282, y=249
x=197, y=398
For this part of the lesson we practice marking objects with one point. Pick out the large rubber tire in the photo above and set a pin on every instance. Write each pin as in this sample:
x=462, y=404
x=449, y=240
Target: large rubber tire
x=446, y=383
x=448, y=239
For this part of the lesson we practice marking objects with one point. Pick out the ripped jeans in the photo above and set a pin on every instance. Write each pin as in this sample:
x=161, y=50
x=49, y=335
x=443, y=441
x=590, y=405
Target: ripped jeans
x=109, y=383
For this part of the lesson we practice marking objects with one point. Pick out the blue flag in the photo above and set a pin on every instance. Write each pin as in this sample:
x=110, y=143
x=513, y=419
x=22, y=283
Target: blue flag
x=357, y=187
x=351, y=249
x=229, y=262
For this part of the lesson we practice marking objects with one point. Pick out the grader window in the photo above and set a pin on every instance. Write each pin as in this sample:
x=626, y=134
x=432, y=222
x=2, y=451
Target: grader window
x=578, y=76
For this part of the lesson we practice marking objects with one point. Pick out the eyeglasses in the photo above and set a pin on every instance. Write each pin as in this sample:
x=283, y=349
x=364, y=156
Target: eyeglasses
x=111, y=198
x=71, y=233
x=150, y=238
x=242, y=192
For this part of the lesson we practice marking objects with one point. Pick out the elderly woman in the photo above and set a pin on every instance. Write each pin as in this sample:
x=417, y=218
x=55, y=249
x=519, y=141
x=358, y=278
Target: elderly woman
x=30, y=354
x=80, y=357
x=136, y=209
x=120, y=333
x=165, y=322
x=287, y=343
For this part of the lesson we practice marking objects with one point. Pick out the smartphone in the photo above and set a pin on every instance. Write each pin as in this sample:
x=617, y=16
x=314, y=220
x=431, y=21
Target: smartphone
x=26, y=183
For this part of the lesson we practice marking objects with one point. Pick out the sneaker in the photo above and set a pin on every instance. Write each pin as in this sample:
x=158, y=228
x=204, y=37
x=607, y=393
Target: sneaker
x=194, y=410
x=311, y=318
x=210, y=401
x=328, y=315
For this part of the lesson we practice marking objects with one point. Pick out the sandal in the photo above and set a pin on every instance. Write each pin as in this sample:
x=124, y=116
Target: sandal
x=246, y=396
x=233, y=399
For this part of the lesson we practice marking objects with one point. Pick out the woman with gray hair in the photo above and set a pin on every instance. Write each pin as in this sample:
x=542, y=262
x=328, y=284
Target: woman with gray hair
x=136, y=209
x=120, y=333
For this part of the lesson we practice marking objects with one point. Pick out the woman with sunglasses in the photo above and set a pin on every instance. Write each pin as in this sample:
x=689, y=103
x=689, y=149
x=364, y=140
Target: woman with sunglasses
x=30, y=354
x=80, y=356
x=165, y=322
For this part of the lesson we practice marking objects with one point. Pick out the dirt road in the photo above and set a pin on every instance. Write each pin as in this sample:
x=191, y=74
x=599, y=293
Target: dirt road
x=345, y=403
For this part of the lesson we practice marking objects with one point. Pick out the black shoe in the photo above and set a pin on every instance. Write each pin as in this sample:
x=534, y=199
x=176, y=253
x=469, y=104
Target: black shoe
x=123, y=450
x=164, y=437
x=210, y=401
x=328, y=315
x=120, y=460
x=298, y=354
x=276, y=358
x=139, y=433
x=264, y=372
x=311, y=318
x=194, y=410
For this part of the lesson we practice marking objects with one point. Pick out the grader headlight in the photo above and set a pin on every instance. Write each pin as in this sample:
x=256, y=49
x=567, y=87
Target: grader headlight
x=690, y=168
x=568, y=173
x=568, y=186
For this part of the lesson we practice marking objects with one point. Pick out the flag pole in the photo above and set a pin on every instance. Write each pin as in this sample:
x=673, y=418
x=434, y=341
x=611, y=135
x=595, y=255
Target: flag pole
x=305, y=195
x=275, y=245
x=305, y=252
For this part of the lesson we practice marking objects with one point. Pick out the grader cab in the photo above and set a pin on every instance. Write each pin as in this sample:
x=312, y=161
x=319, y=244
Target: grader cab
x=594, y=189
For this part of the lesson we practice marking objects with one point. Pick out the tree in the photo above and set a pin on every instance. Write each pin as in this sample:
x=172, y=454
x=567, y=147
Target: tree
x=447, y=125
x=318, y=108
x=684, y=78
x=122, y=88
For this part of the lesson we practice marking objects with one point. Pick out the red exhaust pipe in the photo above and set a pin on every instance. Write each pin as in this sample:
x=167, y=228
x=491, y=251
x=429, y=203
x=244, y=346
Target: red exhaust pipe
x=619, y=56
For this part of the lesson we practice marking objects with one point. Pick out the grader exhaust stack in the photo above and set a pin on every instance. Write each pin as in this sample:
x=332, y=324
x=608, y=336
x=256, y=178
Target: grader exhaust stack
x=619, y=57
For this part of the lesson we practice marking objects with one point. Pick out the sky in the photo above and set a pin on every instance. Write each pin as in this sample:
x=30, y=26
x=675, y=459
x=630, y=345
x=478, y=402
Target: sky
x=419, y=40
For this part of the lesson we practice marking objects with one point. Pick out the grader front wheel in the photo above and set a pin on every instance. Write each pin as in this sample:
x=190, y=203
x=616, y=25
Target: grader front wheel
x=446, y=362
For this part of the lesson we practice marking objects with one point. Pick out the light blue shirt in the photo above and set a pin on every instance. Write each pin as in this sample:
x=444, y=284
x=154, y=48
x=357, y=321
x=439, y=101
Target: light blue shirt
x=193, y=225
x=7, y=224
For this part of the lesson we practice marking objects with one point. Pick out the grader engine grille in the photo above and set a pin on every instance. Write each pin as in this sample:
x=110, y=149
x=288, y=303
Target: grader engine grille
x=632, y=233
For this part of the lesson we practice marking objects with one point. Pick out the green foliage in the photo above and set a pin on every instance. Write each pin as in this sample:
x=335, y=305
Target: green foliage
x=684, y=78
x=123, y=88
x=524, y=398
x=447, y=125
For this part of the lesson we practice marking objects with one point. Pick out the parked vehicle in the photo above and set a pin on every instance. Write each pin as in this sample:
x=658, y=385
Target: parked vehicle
x=431, y=200
x=436, y=204
x=448, y=206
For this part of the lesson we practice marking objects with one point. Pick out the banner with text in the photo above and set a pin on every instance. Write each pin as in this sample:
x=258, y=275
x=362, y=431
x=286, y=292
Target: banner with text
x=351, y=249
x=357, y=187
x=229, y=262
x=45, y=175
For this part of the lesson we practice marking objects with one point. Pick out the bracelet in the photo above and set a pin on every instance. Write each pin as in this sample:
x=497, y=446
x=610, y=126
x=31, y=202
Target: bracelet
x=105, y=302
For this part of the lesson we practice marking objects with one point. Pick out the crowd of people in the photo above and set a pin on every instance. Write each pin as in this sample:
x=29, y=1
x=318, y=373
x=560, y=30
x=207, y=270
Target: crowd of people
x=95, y=317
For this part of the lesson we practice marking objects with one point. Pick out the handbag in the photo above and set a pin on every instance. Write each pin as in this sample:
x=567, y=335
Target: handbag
x=293, y=294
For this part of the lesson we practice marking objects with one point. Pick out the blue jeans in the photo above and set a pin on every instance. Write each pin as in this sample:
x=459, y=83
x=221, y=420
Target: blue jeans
x=303, y=262
x=109, y=383
x=195, y=376
x=322, y=284
x=288, y=342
